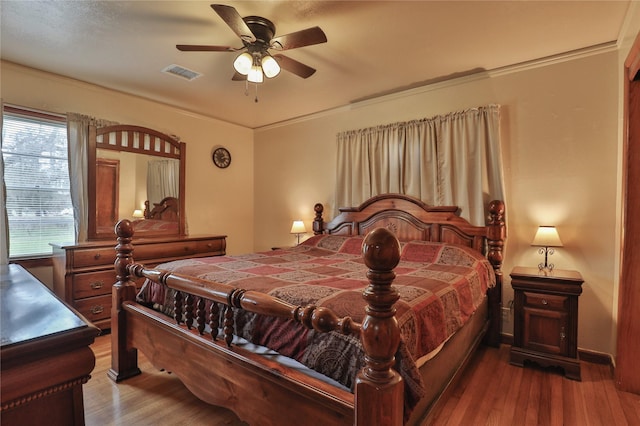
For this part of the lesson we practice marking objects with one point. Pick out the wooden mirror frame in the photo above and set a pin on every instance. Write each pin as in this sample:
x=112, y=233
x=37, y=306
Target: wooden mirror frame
x=121, y=138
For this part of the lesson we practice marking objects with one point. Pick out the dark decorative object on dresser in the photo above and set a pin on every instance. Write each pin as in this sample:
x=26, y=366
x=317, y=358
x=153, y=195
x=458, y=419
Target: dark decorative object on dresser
x=546, y=318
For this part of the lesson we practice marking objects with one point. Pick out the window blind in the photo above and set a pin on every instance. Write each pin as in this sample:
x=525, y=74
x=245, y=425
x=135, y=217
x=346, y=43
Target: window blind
x=36, y=176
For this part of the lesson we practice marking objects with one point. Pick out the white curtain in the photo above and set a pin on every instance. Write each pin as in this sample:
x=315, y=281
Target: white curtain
x=4, y=220
x=453, y=159
x=78, y=145
x=163, y=177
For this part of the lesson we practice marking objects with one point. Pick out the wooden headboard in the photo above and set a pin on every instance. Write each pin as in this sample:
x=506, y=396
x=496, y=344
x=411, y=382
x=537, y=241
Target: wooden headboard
x=168, y=209
x=411, y=219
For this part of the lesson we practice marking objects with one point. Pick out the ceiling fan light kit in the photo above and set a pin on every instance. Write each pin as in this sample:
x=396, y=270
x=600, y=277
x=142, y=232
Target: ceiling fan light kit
x=257, y=36
x=243, y=63
x=270, y=66
x=254, y=66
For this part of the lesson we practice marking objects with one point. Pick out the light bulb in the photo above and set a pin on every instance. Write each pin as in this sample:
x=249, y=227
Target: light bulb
x=243, y=63
x=255, y=74
x=270, y=66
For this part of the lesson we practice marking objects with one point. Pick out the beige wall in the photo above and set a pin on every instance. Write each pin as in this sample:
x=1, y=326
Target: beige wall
x=559, y=136
x=217, y=201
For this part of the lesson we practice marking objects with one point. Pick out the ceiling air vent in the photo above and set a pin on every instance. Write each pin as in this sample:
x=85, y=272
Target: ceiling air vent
x=181, y=72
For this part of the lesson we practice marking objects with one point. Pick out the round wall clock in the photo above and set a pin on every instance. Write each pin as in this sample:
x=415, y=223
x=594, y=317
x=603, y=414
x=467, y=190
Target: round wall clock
x=221, y=157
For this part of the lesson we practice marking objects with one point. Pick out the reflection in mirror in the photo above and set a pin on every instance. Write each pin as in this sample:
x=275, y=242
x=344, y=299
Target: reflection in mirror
x=162, y=180
x=141, y=178
x=135, y=169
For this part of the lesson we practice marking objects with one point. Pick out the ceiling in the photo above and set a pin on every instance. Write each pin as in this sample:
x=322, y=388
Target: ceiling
x=373, y=47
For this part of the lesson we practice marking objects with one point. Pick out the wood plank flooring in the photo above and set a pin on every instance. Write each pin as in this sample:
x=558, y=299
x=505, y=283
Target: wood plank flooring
x=491, y=392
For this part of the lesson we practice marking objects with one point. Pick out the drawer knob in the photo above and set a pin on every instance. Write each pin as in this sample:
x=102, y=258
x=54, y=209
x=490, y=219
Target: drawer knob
x=544, y=302
x=97, y=256
x=209, y=245
x=98, y=309
x=96, y=285
x=562, y=334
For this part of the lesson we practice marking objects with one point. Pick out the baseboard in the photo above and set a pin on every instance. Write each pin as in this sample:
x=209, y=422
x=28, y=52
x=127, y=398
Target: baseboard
x=506, y=339
x=595, y=357
x=583, y=354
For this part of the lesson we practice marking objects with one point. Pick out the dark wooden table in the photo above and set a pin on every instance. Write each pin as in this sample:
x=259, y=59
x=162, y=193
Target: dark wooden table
x=45, y=353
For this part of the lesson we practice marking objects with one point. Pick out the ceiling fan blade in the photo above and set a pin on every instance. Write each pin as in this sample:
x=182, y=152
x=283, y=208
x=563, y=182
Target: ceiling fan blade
x=295, y=67
x=238, y=77
x=233, y=19
x=198, y=48
x=302, y=38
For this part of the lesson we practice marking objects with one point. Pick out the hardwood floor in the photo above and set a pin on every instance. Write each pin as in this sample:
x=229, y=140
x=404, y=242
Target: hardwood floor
x=152, y=398
x=491, y=392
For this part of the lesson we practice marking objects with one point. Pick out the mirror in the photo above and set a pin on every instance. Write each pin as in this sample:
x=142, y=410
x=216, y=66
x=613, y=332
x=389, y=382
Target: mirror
x=138, y=174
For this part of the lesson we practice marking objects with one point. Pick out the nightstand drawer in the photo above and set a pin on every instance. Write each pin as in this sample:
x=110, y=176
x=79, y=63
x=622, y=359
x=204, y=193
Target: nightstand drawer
x=93, y=284
x=546, y=301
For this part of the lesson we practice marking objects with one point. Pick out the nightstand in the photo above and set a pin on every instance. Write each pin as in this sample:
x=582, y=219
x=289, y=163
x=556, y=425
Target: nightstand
x=545, y=327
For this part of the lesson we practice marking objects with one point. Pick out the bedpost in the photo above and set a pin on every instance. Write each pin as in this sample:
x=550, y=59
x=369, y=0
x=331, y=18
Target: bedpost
x=379, y=388
x=124, y=360
x=496, y=234
x=318, y=222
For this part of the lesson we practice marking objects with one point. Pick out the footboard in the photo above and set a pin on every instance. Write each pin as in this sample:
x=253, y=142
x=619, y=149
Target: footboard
x=378, y=389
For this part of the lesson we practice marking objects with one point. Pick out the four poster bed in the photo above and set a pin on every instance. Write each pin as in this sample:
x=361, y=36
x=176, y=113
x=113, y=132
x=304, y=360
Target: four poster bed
x=365, y=323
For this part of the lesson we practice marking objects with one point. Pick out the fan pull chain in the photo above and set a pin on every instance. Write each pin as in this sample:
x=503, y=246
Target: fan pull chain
x=246, y=90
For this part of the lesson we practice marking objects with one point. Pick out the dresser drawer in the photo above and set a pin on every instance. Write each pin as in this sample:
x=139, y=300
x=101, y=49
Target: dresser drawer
x=91, y=284
x=94, y=257
x=546, y=301
x=95, y=308
x=179, y=249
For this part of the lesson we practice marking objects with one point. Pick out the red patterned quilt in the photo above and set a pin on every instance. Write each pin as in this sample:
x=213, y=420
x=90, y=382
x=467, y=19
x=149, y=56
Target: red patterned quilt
x=440, y=287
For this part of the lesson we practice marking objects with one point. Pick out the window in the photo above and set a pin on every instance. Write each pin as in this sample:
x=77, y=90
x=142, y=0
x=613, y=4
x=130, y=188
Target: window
x=36, y=177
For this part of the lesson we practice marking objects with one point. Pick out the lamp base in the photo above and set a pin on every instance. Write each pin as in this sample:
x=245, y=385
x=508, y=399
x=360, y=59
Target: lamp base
x=547, y=251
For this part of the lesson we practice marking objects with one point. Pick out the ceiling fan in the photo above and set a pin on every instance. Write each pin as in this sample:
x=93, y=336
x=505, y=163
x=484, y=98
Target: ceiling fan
x=257, y=35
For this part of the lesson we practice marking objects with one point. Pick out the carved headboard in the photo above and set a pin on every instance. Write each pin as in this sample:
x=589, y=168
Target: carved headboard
x=168, y=210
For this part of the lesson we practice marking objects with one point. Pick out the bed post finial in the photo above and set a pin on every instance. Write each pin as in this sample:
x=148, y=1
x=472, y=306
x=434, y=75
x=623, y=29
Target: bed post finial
x=379, y=388
x=124, y=361
x=496, y=234
x=318, y=222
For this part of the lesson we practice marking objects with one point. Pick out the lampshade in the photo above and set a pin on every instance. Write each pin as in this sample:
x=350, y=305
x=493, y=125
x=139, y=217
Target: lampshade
x=547, y=236
x=243, y=63
x=270, y=66
x=137, y=213
x=255, y=74
x=298, y=227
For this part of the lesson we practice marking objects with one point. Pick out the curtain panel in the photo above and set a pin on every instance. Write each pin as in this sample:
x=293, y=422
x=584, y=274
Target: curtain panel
x=4, y=221
x=163, y=177
x=452, y=159
x=78, y=146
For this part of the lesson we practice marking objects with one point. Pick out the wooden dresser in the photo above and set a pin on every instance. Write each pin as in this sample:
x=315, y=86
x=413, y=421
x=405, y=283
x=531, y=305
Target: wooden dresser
x=45, y=353
x=83, y=274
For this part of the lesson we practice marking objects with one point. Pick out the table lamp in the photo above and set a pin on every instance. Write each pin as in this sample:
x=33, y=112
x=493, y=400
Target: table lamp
x=546, y=238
